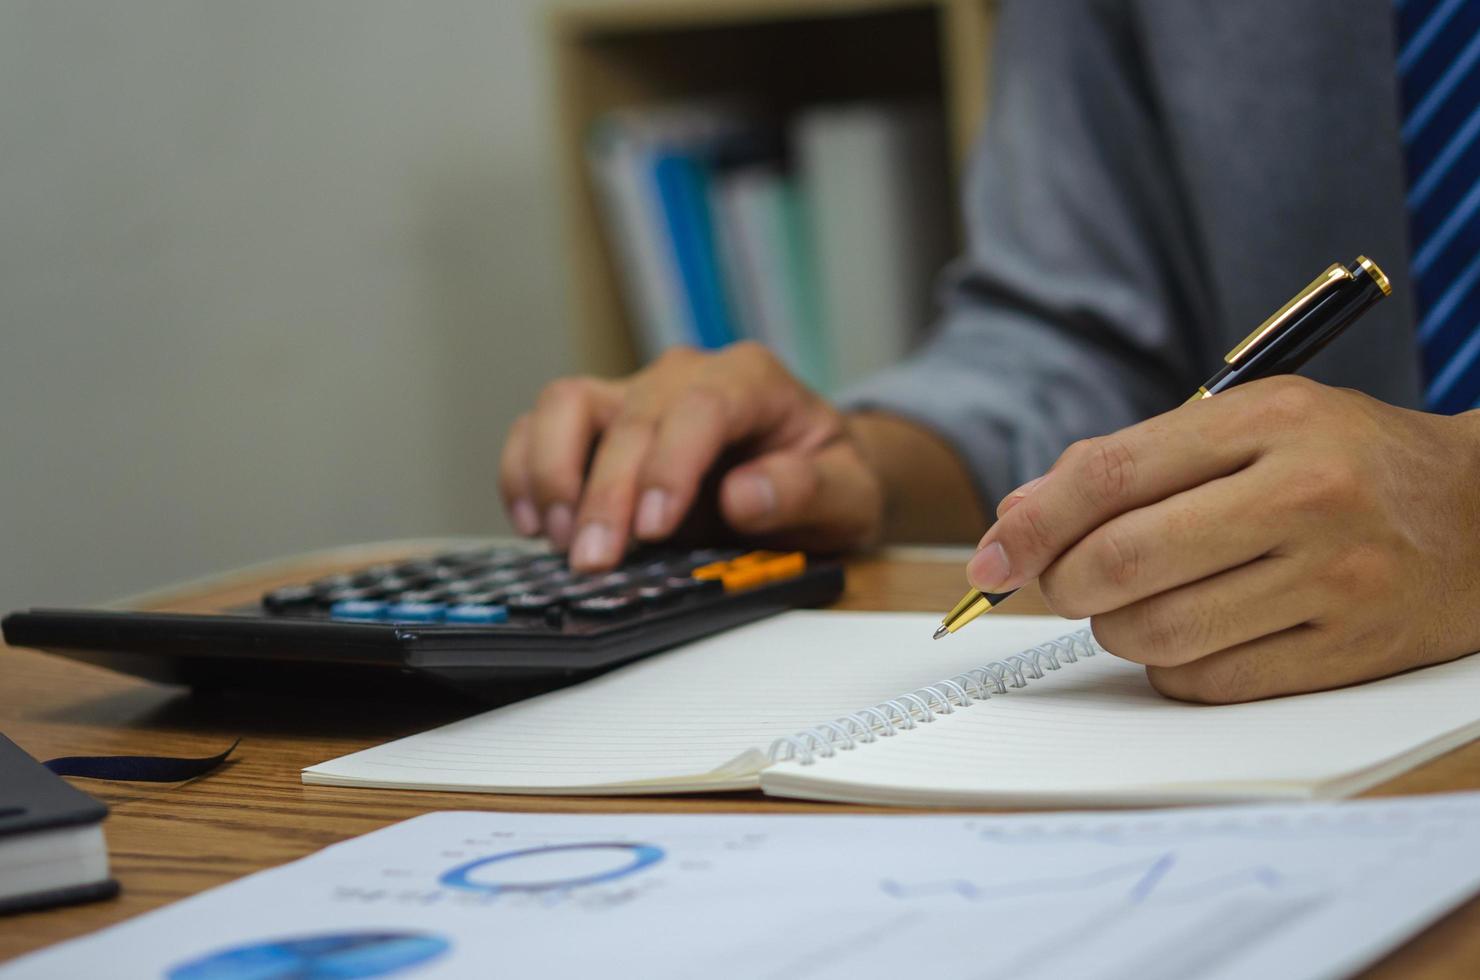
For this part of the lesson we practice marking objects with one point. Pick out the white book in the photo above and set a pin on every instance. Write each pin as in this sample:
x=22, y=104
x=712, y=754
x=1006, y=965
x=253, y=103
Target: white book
x=749, y=212
x=621, y=167
x=865, y=707
x=876, y=179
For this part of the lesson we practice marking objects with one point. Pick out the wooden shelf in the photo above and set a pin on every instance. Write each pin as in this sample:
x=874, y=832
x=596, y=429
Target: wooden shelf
x=777, y=55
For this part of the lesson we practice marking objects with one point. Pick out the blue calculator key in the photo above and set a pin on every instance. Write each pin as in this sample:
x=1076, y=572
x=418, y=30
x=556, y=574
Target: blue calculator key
x=415, y=612
x=357, y=609
x=469, y=613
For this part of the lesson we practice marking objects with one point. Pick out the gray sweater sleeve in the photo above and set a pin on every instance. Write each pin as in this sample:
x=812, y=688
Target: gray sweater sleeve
x=1068, y=316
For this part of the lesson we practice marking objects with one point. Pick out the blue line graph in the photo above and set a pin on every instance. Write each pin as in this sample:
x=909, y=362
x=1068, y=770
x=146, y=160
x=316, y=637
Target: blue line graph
x=1145, y=880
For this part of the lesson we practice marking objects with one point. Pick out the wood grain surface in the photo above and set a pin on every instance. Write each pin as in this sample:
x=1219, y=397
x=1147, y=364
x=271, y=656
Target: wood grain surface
x=170, y=841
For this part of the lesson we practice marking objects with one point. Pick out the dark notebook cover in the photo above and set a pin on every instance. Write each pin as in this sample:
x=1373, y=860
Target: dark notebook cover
x=33, y=798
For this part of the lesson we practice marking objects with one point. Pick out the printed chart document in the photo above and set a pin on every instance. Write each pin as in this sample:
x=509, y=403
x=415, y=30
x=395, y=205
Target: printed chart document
x=865, y=707
x=1291, y=891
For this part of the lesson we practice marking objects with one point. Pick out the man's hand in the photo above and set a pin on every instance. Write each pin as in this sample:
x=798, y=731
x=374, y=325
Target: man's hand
x=598, y=462
x=1277, y=538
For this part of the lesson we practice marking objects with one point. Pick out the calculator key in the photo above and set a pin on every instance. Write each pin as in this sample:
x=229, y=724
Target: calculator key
x=789, y=565
x=415, y=612
x=704, y=556
x=580, y=590
x=287, y=597
x=348, y=594
x=424, y=595
x=655, y=595
x=744, y=577
x=752, y=558
x=476, y=613
x=531, y=602
x=461, y=556
x=331, y=582
x=357, y=610
x=393, y=583
x=682, y=585
x=492, y=597
x=605, y=605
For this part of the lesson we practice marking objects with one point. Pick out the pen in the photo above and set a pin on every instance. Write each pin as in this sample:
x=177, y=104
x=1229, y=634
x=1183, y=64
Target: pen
x=1279, y=345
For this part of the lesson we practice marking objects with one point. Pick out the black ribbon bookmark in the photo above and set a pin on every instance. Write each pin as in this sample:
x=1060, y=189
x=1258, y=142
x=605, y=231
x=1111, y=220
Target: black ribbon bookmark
x=138, y=768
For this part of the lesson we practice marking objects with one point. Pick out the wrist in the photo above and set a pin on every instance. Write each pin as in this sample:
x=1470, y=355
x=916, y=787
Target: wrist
x=928, y=493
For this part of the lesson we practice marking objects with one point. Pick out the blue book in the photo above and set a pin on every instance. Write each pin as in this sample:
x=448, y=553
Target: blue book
x=683, y=189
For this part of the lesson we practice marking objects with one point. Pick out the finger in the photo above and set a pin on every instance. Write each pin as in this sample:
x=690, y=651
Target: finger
x=826, y=499
x=609, y=496
x=567, y=417
x=1235, y=607
x=707, y=418
x=1296, y=661
x=1097, y=479
x=513, y=479
x=1013, y=499
x=1149, y=550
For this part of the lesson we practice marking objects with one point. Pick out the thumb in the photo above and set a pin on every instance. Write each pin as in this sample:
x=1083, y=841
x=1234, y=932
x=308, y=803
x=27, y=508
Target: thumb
x=826, y=499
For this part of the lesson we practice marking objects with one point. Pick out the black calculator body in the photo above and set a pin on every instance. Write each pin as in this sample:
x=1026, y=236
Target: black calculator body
x=492, y=623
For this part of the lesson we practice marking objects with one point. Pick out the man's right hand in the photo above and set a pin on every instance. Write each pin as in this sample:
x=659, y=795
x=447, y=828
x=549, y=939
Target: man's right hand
x=599, y=462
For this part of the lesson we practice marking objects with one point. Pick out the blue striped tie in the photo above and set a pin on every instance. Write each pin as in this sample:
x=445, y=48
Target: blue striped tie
x=1439, y=76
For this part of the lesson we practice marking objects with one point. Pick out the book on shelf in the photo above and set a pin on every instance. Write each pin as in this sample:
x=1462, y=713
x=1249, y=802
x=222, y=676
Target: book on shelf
x=875, y=180
x=829, y=262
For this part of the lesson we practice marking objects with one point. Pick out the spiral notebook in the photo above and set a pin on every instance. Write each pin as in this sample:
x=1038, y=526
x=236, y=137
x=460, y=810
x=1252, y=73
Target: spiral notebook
x=865, y=707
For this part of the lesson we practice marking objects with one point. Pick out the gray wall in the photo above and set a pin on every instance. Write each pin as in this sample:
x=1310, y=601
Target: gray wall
x=273, y=275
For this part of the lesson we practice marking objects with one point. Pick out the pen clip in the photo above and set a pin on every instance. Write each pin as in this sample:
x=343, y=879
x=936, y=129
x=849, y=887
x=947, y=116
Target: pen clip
x=1301, y=302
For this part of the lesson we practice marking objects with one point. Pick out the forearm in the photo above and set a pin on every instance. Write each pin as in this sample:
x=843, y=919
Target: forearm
x=928, y=492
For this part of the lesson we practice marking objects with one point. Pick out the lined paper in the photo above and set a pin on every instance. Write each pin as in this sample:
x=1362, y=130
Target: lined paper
x=1096, y=733
x=671, y=719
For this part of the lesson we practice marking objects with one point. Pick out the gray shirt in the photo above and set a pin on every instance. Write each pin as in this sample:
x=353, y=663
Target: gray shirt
x=1153, y=179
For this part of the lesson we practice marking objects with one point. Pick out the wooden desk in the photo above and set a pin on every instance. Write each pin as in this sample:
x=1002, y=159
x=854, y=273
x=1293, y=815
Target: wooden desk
x=167, y=842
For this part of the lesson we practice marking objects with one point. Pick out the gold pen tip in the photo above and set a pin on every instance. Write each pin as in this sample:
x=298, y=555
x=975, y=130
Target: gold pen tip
x=940, y=631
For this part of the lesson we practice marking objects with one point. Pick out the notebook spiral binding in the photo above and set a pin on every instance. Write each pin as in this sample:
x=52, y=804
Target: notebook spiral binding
x=921, y=706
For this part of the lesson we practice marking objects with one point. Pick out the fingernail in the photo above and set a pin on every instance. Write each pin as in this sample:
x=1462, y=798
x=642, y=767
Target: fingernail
x=752, y=496
x=1012, y=499
x=526, y=518
x=593, y=547
x=989, y=568
x=557, y=524
x=652, y=513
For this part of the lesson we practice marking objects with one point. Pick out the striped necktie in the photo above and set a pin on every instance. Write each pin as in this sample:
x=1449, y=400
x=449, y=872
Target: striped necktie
x=1439, y=78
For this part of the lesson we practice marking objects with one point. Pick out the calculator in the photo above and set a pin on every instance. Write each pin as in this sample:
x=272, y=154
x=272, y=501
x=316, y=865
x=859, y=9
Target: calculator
x=494, y=623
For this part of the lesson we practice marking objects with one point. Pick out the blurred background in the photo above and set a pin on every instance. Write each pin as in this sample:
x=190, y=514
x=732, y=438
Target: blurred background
x=277, y=275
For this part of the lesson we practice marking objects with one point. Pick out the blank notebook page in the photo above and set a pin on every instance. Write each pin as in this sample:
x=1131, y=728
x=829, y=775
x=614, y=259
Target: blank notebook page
x=684, y=713
x=1096, y=732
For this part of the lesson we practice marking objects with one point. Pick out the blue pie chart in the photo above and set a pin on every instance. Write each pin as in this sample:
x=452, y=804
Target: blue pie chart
x=328, y=956
x=555, y=867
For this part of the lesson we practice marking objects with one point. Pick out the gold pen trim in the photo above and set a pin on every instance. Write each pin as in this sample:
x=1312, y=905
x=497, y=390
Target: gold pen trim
x=1378, y=276
x=1302, y=300
x=959, y=608
x=972, y=605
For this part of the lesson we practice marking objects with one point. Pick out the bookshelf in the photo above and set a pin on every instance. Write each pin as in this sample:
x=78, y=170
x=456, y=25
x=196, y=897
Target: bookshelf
x=779, y=54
